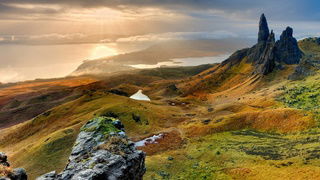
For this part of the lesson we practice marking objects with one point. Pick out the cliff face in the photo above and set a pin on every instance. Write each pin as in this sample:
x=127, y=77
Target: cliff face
x=263, y=34
x=287, y=48
x=102, y=151
x=266, y=61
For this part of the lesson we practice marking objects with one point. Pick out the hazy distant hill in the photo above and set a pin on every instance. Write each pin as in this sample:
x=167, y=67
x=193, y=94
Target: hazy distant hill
x=162, y=52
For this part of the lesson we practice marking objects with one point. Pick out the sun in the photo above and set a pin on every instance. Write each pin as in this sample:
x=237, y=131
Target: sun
x=102, y=51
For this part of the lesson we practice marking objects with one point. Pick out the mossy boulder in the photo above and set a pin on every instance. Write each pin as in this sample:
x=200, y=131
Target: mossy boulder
x=102, y=151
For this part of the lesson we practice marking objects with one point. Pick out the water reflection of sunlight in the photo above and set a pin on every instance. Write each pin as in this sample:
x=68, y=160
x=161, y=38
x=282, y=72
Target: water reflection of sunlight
x=101, y=51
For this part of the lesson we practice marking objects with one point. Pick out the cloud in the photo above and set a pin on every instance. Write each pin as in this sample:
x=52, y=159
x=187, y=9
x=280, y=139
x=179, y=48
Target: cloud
x=178, y=36
x=15, y=10
x=10, y=75
x=58, y=20
x=280, y=9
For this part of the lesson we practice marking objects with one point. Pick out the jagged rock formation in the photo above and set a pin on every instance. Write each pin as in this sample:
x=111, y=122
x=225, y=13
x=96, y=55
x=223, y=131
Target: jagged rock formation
x=15, y=174
x=102, y=151
x=267, y=53
x=263, y=34
x=266, y=62
x=287, y=48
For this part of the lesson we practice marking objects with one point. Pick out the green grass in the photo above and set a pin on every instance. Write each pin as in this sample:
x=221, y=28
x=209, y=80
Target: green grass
x=215, y=156
x=50, y=153
x=47, y=143
x=176, y=72
x=310, y=47
x=100, y=124
x=303, y=95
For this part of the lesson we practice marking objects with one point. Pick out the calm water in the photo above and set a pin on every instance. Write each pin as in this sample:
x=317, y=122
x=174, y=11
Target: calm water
x=25, y=62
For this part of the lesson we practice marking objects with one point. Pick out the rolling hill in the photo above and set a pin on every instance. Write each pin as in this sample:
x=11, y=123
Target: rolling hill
x=244, y=118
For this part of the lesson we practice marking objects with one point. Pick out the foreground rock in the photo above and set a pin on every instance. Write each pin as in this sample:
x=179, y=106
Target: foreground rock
x=102, y=151
x=7, y=174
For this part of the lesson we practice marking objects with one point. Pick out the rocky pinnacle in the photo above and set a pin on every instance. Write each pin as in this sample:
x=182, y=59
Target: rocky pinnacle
x=287, y=48
x=263, y=29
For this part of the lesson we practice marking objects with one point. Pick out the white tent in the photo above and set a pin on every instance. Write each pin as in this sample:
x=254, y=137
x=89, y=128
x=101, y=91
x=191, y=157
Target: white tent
x=140, y=96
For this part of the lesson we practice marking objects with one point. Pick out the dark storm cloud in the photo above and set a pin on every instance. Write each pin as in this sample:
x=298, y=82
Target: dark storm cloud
x=9, y=9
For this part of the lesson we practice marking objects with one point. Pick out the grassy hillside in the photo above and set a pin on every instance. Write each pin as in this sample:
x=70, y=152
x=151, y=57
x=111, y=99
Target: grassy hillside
x=176, y=72
x=221, y=123
x=50, y=136
x=310, y=47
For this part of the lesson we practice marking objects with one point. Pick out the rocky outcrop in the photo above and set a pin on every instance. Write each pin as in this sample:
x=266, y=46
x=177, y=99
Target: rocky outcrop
x=266, y=62
x=102, y=151
x=263, y=34
x=267, y=53
x=287, y=50
x=305, y=68
x=15, y=174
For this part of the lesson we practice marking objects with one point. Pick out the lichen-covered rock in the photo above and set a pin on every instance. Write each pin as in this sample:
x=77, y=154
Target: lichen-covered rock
x=18, y=174
x=102, y=151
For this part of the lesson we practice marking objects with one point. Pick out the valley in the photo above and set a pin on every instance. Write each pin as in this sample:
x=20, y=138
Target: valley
x=243, y=118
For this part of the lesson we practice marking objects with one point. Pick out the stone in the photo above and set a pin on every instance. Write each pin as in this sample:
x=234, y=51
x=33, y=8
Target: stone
x=206, y=121
x=102, y=151
x=49, y=176
x=266, y=62
x=18, y=174
x=263, y=33
x=287, y=49
x=170, y=158
x=15, y=174
x=3, y=159
x=267, y=54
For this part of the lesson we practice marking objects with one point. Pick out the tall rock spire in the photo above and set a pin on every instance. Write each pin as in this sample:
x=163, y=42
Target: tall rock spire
x=287, y=48
x=263, y=29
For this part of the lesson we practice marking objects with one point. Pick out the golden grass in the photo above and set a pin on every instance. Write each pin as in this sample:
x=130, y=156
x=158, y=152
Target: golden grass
x=275, y=120
x=43, y=144
x=5, y=171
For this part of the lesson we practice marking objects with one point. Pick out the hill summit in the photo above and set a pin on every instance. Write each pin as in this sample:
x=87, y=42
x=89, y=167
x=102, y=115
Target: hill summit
x=248, y=64
x=268, y=54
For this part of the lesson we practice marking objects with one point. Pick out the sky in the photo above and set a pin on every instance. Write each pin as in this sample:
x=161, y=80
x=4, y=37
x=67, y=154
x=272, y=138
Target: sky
x=62, y=22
